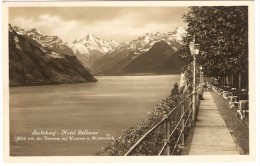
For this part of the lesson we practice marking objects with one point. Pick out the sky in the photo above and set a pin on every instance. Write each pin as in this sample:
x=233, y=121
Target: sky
x=121, y=24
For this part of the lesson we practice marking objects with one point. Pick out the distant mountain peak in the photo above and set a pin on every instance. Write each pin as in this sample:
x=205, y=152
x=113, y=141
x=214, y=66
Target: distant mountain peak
x=91, y=47
x=10, y=28
x=31, y=31
x=161, y=45
x=90, y=37
x=179, y=30
x=34, y=30
x=157, y=33
x=18, y=30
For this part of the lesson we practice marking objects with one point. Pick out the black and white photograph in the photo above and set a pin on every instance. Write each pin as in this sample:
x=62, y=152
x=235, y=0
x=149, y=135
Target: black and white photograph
x=129, y=79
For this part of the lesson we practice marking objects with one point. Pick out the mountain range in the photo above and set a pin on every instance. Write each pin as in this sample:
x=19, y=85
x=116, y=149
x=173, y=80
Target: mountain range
x=150, y=53
x=87, y=50
x=117, y=60
x=32, y=63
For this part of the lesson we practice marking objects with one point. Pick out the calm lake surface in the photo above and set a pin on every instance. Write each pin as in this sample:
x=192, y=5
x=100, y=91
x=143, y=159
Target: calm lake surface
x=103, y=109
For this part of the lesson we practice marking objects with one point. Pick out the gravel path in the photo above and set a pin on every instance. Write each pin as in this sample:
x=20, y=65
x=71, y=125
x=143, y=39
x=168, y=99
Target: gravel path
x=238, y=128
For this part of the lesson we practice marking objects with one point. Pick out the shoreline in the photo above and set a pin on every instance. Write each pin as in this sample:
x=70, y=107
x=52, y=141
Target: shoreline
x=51, y=83
x=80, y=82
x=136, y=74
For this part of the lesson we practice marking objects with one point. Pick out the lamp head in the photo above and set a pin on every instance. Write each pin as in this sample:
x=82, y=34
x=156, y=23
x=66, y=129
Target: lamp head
x=194, y=48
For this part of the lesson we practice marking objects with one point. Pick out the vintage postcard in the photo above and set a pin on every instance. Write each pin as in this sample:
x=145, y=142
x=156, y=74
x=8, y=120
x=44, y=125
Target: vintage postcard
x=129, y=81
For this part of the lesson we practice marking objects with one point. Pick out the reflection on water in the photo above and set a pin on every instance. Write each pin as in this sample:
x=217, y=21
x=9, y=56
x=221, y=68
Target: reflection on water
x=107, y=107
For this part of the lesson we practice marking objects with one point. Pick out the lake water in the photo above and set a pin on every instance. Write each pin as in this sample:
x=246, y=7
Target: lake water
x=102, y=109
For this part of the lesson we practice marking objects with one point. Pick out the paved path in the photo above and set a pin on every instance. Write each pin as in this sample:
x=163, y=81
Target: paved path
x=211, y=135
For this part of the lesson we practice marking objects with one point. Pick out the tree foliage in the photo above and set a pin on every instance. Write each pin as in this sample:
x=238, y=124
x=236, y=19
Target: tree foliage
x=222, y=32
x=175, y=89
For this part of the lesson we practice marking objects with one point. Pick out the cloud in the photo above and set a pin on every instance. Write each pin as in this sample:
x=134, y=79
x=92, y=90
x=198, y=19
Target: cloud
x=83, y=14
x=49, y=25
x=120, y=24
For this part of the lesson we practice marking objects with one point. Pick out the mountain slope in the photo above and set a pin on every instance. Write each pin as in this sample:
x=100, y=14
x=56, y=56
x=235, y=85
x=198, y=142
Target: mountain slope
x=115, y=60
x=35, y=65
x=110, y=60
x=161, y=58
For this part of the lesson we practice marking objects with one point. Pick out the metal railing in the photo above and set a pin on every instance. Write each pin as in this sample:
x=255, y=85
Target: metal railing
x=172, y=128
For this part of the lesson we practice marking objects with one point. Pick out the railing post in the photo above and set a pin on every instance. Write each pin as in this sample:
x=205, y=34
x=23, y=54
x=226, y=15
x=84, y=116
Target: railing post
x=190, y=111
x=167, y=134
x=182, y=125
x=194, y=106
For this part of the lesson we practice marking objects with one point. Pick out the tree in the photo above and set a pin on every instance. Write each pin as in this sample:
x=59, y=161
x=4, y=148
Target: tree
x=222, y=32
x=175, y=89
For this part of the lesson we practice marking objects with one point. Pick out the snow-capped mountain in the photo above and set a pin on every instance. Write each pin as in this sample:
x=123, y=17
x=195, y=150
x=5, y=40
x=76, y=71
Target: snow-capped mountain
x=144, y=43
x=52, y=42
x=135, y=48
x=90, y=48
x=87, y=50
x=92, y=42
x=32, y=64
x=178, y=33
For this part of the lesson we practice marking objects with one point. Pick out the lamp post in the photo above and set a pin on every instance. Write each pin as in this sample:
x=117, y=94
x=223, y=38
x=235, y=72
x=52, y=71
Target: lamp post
x=194, y=50
x=201, y=79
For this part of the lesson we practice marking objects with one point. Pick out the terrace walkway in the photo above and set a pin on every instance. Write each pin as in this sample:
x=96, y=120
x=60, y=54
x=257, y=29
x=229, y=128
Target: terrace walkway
x=211, y=135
